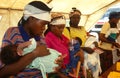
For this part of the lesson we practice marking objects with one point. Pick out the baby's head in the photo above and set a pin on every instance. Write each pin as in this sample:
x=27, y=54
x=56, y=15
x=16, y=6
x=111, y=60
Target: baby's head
x=9, y=54
x=76, y=43
x=78, y=40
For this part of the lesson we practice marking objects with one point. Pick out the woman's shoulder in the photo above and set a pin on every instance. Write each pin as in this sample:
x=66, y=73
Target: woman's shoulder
x=13, y=29
x=81, y=27
x=49, y=36
x=106, y=24
x=10, y=36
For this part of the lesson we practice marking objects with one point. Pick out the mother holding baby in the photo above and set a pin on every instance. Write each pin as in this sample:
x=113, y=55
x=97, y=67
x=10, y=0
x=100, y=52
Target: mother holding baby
x=32, y=24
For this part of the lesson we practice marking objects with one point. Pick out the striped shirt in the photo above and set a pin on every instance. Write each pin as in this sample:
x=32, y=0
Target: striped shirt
x=14, y=36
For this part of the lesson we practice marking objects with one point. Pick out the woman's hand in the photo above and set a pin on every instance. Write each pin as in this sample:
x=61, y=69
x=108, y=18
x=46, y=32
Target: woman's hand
x=87, y=49
x=41, y=50
x=59, y=61
x=116, y=45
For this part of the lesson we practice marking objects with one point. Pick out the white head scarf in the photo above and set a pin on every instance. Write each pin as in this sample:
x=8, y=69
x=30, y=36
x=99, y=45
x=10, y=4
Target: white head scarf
x=30, y=10
x=57, y=19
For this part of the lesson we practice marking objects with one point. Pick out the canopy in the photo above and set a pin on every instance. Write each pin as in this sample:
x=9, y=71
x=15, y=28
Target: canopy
x=12, y=10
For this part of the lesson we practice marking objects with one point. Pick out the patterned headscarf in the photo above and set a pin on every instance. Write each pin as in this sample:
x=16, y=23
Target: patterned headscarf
x=74, y=12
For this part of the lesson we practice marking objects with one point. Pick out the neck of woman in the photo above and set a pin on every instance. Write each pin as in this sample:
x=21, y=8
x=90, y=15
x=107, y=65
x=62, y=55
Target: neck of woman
x=74, y=26
x=28, y=31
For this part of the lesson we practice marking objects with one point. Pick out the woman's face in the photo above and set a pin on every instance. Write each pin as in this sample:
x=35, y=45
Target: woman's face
x=75, y=20
x=37, y=26
x=116, y=20
x=57, y=29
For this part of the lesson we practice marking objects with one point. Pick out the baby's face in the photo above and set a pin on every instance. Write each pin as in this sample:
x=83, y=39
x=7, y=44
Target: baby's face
x=73, y=41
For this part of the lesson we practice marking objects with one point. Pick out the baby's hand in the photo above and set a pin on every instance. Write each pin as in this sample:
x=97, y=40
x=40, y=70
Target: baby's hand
x=21, y=46
x=59, y=61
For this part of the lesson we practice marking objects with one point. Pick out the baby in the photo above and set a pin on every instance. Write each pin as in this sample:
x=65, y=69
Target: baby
x=46, y=64
x=75, y=44
x=75, y=47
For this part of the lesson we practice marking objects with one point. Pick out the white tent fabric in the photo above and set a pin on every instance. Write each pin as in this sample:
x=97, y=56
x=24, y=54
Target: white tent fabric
x=92, y=10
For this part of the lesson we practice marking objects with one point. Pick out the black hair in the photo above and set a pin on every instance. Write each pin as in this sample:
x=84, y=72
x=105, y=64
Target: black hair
x=75, y=9
x=9, y=54
x=40, y=5
x=22, y=21
x=48, y=29
x=37, y=4
x=114, y=15
x=111, y=16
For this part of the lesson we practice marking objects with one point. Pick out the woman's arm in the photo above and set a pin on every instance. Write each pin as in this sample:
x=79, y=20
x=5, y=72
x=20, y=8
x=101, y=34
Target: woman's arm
x=15, y=68
x=102, y=38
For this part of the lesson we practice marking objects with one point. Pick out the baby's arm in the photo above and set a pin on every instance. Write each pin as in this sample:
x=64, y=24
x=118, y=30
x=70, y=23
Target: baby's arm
x=30, y=47
x=26, y=47
x=21, y=46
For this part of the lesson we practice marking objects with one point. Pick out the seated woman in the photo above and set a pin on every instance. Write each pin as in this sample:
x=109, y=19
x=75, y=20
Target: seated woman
x=91, y=56
x=56, y=40
x=12, y=53
x=54, y=37
x=35, y=17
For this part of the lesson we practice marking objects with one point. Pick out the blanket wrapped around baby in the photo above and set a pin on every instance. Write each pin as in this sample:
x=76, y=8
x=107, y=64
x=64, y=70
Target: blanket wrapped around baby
x=46, y=63
x=92, y=61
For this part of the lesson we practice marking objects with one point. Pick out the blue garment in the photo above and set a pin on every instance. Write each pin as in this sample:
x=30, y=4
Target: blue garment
x=74, y=60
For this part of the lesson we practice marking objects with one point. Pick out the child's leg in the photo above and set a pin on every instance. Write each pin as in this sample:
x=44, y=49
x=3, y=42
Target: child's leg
x=73, y=73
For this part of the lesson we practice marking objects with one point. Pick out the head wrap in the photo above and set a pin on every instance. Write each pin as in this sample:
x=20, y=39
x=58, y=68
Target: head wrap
x=35, y=10
x=74, y=12
x=57, y=19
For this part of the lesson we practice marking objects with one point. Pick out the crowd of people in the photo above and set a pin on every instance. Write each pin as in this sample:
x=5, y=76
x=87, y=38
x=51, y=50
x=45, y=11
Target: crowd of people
x=59, y=47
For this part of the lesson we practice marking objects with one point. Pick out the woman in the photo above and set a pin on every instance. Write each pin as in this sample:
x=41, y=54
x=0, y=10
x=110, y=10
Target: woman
x=54, y=37
x=77, y=31
x=74, y=30
x=108, y=57
x=32, y=24
x=56, y=40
